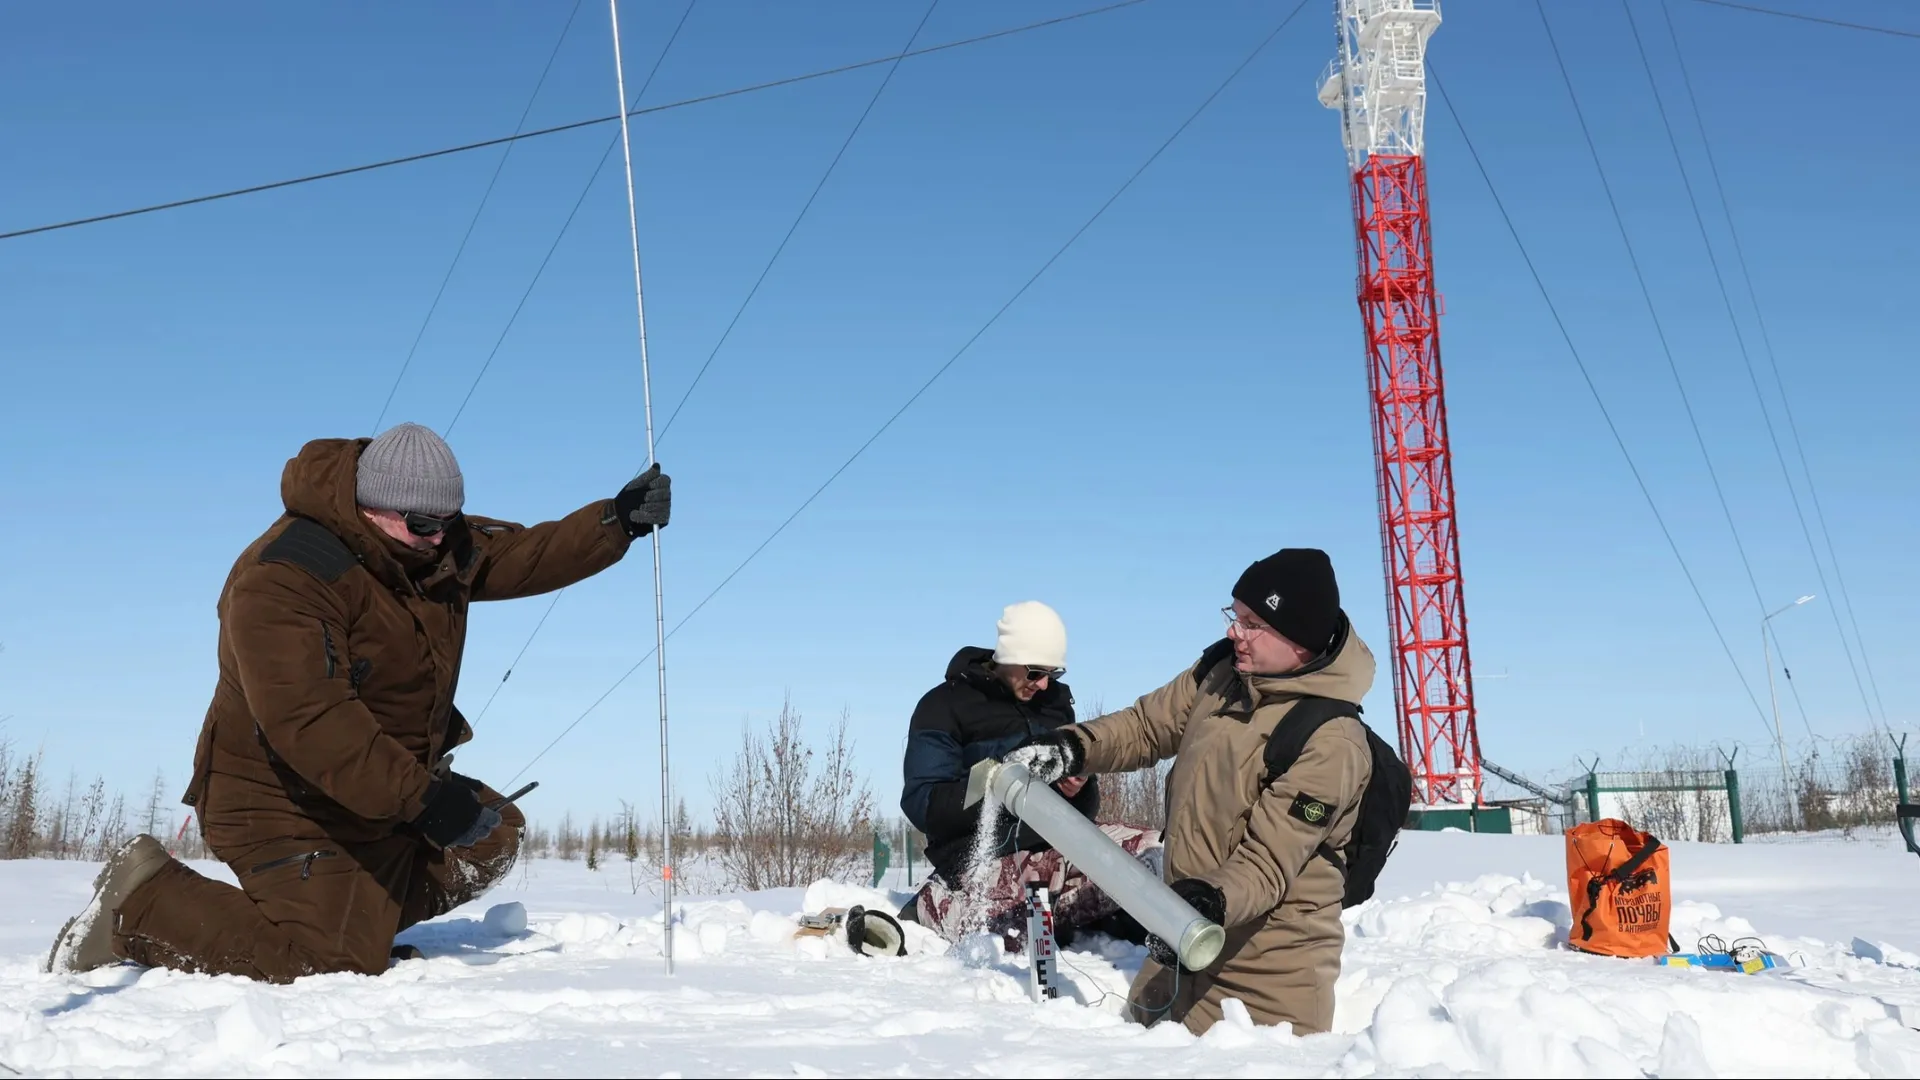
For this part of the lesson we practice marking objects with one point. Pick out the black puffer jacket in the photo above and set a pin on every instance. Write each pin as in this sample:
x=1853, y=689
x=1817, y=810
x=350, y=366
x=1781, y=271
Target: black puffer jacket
x=968, y=718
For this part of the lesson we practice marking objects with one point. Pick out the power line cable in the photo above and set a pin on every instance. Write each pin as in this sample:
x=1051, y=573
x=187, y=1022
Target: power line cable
x=477, y=211
x=585, y=189
x=1773, y=362
x=1812, y=18
x=935, y=377
x=1586, y=376
x=560, y=128
x=1746, y=356
x=1646, y=293
x=802, y=216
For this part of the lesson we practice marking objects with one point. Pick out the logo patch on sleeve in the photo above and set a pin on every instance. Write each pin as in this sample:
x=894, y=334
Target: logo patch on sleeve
x=1313, y=811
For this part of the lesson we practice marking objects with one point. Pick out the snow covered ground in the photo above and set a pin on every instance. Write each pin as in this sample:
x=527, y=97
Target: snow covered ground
x=1458, y=968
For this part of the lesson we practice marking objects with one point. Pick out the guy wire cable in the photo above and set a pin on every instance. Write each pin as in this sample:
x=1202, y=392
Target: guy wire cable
x=1773, y=363
x=751, y=293
x=935, y=377
x=1586, y=376
x=485, y=197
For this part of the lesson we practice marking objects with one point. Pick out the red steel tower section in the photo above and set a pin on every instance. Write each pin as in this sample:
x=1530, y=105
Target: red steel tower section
x=1378, y=82
x=1425, y=609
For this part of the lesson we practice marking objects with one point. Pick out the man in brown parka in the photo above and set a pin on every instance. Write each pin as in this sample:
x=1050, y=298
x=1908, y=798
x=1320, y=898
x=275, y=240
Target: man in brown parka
x=1247, y=856
x=322, y=775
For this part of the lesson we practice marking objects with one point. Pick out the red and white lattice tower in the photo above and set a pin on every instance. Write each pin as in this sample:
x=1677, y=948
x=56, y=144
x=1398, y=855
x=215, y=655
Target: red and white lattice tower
x=1378, y=82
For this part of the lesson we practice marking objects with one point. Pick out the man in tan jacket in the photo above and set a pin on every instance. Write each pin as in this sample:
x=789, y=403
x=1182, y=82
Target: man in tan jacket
x=1257, y=854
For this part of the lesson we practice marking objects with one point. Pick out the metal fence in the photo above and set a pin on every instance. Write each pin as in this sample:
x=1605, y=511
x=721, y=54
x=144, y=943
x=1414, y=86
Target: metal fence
x=1840, y=785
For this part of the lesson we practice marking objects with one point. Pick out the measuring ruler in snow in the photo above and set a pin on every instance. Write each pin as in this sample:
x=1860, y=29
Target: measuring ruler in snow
x=1043, y=972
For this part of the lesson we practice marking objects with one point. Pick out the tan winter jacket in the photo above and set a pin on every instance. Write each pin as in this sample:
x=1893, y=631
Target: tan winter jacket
x=1256, y=844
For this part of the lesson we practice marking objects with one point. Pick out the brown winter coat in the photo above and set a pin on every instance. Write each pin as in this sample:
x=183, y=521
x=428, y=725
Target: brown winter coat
x=1254, y=843
x=335, y=699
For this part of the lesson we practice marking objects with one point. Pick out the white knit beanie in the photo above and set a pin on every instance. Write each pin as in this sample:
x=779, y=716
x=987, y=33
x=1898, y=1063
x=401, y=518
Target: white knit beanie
x=1031, y=633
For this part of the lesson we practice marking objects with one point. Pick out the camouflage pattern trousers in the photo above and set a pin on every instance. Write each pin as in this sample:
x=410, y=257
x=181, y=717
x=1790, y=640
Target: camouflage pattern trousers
x=1000, y=906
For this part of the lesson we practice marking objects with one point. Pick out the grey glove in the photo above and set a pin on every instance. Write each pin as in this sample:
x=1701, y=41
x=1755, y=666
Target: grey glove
x=645, y=503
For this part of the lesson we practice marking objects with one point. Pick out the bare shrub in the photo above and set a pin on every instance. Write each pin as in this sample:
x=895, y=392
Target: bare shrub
x=1682, y=798
x=567, y=841
x=113, y=831
x=1131, y=798
x=1849, y=786
x=783, y=817
x=1135, y=798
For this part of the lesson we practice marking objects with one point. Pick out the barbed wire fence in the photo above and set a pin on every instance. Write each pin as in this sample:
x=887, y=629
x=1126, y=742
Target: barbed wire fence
x=1729, y=792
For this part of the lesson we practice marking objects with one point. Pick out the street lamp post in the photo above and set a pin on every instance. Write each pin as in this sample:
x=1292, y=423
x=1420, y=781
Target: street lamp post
x=1779, y=739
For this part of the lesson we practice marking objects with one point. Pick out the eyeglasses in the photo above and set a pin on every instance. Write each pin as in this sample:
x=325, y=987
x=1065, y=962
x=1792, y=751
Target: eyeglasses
x=1236, y=622
x=1035, y=674
x=420, y=524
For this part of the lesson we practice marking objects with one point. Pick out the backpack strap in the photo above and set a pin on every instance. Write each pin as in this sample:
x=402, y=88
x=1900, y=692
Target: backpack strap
x=1617, y=876
x=312, y=547
x=1289, y=738
x=1289, y=741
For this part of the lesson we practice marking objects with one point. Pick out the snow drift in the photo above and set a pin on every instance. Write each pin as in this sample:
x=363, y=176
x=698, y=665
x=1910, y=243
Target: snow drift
x=1457, y=968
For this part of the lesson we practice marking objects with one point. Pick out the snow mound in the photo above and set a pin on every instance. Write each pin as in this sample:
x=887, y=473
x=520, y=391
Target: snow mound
x=506, y=920
x=1476, y=978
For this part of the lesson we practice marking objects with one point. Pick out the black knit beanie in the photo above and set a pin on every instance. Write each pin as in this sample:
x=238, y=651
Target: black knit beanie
x=1293, y=590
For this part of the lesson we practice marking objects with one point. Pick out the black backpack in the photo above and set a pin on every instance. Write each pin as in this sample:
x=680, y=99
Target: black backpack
x=1383, y=806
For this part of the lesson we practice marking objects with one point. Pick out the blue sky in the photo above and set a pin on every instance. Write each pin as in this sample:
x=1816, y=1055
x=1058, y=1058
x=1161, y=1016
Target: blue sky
x=1182, y=393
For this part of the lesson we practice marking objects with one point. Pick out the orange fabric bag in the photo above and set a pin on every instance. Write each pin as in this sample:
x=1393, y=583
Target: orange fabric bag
x=1619, y=889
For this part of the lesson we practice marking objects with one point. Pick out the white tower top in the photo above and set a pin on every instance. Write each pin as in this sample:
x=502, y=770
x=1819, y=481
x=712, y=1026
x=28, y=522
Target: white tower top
x=1379, y=79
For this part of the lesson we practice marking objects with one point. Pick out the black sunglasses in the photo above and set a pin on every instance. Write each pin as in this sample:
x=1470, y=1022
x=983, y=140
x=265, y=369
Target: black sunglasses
x=1035, y=674
x=420, y=524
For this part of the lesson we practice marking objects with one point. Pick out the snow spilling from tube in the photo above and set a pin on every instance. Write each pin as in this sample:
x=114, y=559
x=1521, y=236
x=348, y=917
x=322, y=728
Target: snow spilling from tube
x=1457, y=968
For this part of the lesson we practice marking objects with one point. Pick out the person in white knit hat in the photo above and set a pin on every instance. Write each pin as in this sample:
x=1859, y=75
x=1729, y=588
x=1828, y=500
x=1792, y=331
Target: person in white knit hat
x=990, y=701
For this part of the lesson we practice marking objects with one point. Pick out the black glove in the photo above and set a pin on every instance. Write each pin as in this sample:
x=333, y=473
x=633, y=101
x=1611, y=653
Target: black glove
x=1204, y=899
x=454, y=816
x=1049, y=755
x=645, y=503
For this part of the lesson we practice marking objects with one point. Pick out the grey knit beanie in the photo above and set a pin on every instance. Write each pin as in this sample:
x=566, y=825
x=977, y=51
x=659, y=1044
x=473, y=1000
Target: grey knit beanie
x=409, y=468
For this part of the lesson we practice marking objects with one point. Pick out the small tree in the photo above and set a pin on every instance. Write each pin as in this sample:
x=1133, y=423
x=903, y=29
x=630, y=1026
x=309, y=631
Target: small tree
x=682, y=830
x=23, y=810
x=113, y=830
x=784, y=817
x=156, y=797
x=567, y=840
